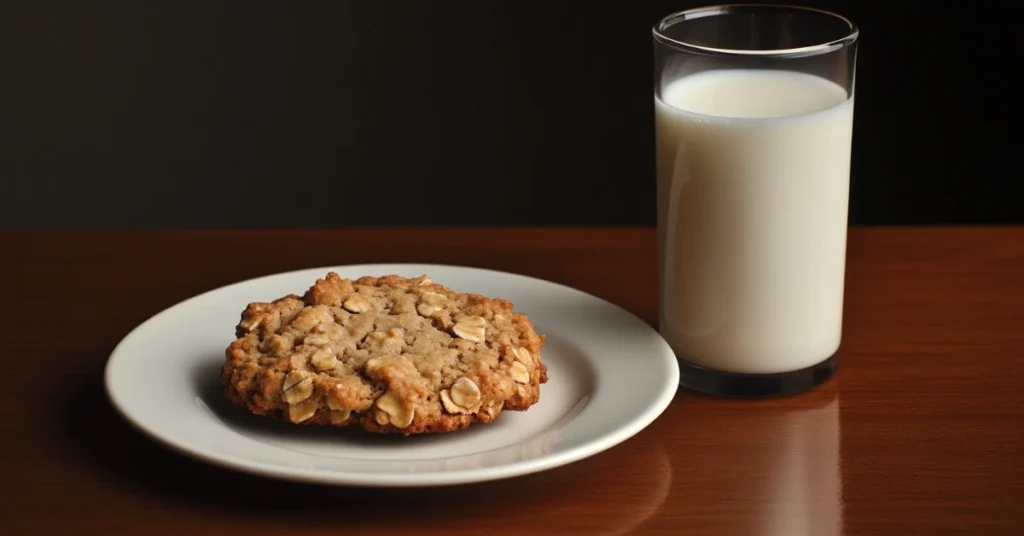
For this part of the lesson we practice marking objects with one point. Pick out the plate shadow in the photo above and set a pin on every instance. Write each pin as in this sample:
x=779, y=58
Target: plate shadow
x=85, y=422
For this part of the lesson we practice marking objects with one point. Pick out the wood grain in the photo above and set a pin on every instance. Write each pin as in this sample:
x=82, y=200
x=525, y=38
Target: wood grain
x=921, y=431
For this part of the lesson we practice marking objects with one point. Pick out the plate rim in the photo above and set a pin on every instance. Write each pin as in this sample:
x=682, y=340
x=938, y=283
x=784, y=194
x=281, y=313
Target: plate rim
x=615, y=435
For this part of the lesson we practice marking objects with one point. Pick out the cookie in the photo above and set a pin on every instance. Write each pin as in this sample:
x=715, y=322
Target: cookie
x=388, y=354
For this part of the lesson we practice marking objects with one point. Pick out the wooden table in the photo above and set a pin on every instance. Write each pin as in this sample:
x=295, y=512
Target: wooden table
x=921, y=431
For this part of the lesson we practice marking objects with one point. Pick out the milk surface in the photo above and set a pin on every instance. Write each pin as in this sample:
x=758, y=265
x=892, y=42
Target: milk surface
x=753, y=189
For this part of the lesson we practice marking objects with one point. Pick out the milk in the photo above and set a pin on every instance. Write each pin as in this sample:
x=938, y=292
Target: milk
x=753, y=188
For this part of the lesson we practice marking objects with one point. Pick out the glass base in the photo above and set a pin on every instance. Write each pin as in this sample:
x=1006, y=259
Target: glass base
x=731, y=384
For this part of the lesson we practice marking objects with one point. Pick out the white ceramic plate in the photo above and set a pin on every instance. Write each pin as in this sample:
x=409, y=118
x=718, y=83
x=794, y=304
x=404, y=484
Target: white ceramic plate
x=609, y=376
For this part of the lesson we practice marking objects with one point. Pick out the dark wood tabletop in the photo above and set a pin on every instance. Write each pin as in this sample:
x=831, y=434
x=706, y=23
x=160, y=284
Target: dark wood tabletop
x=920, y=432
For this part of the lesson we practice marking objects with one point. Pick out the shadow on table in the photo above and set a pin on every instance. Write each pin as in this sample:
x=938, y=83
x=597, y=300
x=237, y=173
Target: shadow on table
x=89, y=424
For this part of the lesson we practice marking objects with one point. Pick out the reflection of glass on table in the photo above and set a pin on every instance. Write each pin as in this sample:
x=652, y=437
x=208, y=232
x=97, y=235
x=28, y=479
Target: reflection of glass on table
x=771, y=467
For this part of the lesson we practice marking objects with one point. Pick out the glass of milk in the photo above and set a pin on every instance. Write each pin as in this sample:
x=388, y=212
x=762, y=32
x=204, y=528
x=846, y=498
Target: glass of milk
x=754, y=120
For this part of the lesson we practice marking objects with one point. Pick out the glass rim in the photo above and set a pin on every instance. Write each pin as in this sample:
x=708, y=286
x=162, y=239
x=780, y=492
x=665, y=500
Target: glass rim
x=720, y=9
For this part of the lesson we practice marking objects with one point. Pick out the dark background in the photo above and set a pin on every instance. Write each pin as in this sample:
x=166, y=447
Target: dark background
x=349, y=113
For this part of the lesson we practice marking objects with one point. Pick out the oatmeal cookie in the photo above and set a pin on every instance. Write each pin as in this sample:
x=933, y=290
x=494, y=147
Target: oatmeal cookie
x=388, y=354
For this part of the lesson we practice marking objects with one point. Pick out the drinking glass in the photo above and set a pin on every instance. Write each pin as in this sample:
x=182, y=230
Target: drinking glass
x=754, y=121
